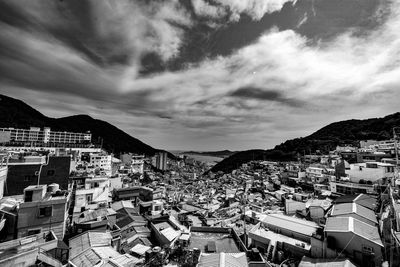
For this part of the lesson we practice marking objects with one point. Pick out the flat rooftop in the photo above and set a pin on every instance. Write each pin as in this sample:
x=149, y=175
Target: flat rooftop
x=224, y=242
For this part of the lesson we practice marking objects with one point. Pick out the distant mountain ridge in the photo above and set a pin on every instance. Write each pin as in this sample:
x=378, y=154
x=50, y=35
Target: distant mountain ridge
x=324, y=140
x=15, y=113
x=220, y=154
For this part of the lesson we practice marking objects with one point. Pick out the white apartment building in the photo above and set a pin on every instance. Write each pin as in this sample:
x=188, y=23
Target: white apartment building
x=91, y=192
x=101, y=161
x=45, y=135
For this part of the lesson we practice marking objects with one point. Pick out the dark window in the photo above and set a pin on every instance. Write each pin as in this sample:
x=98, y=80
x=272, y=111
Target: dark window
x=45, y=211
x=51, y=172
x=34, y=232
x=28, y=196
x=27, y=178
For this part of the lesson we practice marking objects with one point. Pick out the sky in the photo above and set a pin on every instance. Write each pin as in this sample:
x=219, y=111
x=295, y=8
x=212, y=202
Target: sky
x=204, y=74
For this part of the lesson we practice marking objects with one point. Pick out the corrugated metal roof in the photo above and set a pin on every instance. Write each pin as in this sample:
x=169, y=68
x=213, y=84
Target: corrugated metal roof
x=86, y=258
x=223, y=260
x=354, y=208
x=349, y=224
x=310, y=262
x=88, y=239
x=291, y=223
x=127, y=260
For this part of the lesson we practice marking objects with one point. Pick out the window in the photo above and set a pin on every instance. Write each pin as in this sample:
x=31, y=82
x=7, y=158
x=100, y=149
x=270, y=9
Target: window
x=45, y=211
x=34, y=231
x=367, y=249
x=51, y=172
x=28, y=196
x=27, y=178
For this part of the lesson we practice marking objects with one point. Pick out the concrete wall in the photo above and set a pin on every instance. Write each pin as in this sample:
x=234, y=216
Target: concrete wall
x=353, y=244
x=316, y=212
x=27, y=258
x=292, y=206
x=3, y=177
x=21, y=176
x=28, y=218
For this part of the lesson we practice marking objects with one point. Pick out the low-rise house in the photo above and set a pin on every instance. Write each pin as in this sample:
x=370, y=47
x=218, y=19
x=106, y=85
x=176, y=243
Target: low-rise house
x=90, y=192
x=270, y=243
x=312, y=262
x=101, y=220
x=44, y=248
x=223, y=259
x=357, y=240
x=318, y=208
x=367, y=201
x=43, y=208
x=356, y=211
x=165, y=232
x=290, y=226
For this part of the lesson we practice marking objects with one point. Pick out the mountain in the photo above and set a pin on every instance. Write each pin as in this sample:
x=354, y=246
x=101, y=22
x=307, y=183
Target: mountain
x=326, y=139
x=17, y=114
x=219, y=154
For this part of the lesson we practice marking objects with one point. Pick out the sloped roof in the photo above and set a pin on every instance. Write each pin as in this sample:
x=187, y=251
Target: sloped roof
x=170, y=233
x=323, y=203
x=223, y=260
x=364, y=200
x=349, y=224
x=88, y=239
x=122, y=204
x=354, y=208
x=140, y=249
x=310, y=262
x=291, y=223
x=86, y=258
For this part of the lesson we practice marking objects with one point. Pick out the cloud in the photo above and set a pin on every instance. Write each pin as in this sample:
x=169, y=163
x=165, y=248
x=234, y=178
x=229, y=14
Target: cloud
x=235, y=8
x=280, y=85
x=260, y=94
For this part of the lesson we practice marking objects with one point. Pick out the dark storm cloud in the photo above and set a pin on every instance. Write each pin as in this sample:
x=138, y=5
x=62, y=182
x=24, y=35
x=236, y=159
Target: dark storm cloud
x=265, y=95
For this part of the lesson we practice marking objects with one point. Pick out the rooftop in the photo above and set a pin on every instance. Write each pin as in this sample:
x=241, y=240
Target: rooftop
x=349, y=224
x=310, y=262
x=224, y=242
x=273, y=237
x=354, y=208
x=223, y=260
x=291, y=223
x=88, y=239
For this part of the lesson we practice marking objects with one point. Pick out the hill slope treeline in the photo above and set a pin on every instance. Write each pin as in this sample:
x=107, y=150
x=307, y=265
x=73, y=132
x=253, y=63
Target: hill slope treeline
x=17, y=114
x=326, y=139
